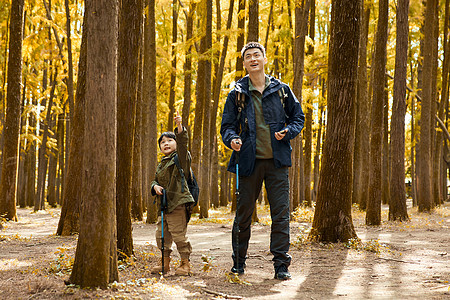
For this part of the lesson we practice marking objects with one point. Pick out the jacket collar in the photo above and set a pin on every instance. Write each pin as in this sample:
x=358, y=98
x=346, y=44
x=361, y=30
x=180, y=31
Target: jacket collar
x=242, y=85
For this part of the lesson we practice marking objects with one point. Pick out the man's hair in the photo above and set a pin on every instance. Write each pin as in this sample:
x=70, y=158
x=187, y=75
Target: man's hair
x=168, y=134
x=252, y=45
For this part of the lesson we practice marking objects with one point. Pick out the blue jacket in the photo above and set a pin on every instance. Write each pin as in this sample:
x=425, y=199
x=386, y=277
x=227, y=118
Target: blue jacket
x=292, y=118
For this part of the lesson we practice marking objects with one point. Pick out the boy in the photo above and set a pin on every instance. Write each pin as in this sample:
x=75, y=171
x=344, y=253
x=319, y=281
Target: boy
x=168, y=178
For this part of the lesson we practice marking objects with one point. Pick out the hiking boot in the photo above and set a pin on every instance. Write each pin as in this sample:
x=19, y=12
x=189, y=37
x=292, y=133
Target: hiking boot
x=184, y=269
x=282, y=273
x=158, y=269
x=238, y=269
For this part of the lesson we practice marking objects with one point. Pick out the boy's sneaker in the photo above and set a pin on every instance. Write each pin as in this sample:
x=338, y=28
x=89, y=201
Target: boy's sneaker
x=282, y=273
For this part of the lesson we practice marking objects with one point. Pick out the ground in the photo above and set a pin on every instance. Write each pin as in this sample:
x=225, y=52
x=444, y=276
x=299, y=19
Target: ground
x=409, y=260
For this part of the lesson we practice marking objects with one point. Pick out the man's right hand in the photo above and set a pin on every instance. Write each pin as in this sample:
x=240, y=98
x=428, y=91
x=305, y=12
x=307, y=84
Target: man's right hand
x=236, y=144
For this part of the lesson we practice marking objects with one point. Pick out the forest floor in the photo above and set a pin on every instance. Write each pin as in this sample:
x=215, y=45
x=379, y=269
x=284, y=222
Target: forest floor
x=409, y=260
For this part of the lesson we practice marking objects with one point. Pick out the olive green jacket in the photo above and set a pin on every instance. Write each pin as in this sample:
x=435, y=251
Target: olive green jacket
x=168, y=176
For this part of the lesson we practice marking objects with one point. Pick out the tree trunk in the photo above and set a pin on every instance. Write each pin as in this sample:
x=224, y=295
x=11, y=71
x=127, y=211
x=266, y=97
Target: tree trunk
x=10, y=154
x=187, y=68
x=52, y=165
x=362, y=136
x=424, y=161
x=70, y=210
x=95, y=262
x=215, y=197
x=385, y=170
x=397, y=201
x=136, y=185
x=332, y=216
x=39, y=202
x=206, y=44
x=318, y=147
x=21, y=180
x=128, y=54
x=373, y=215
x=240, y=40
x=69, y=80
x=253, y=21
x=149, y=150
x=31, y=164
x=173, y=72
x=298, y=175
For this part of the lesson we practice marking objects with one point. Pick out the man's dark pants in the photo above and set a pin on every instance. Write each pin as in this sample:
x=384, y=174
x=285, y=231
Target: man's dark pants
x=277, y=185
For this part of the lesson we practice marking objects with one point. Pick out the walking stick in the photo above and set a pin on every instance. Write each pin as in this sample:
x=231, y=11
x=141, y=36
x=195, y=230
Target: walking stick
x=237, y=211
x=163, y=208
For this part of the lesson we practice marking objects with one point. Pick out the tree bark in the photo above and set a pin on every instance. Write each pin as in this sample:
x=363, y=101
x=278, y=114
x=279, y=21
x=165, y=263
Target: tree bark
x=206, y=44
x=10, y=155
x=362, y=138
x=373, y=215
x=95, y=262
x=173, y=71
x=128, y=69
x=332, y=217
x=253, y=21
x=397, y=201
x=149, y=150
x=39, y=202
x=424, y=161
x=70, y=210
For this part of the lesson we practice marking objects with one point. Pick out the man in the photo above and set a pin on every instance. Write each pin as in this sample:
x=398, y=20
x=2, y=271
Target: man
x=260, y=117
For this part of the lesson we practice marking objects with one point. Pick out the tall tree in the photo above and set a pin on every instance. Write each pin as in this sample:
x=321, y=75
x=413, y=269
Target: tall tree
x=301, y=29
x=397, y=201
x=95, y=262
x=149, y=135
x=205, y=46
x=130, y=18
x=332, y=216
x=70, y=210
x=10, y=152
x=253, y=21
x=187, y=68
x=424, y=161
x=39, y=202
x=240, y=39
x=173, y=71
x=216, y=99
x=362, y=141
x=373, y=215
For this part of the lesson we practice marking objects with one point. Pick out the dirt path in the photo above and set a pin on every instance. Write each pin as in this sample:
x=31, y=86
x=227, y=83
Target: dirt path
x=395, y=261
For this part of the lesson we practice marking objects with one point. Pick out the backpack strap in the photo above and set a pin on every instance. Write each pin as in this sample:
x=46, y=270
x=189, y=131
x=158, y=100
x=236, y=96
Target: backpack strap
x=240, y=103
x=283, y=95
x=180, y=169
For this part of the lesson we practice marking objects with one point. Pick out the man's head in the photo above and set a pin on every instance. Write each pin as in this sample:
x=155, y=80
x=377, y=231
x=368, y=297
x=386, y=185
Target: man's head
x=253, y=45
x=254, y=58
x=167, y=142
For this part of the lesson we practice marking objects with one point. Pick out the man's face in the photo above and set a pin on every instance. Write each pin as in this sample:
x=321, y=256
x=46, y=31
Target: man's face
x=254, y=60
x=168, y=145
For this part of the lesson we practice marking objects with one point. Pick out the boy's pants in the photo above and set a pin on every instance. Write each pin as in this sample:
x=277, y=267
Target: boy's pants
x=175, y=227
x=277, y=185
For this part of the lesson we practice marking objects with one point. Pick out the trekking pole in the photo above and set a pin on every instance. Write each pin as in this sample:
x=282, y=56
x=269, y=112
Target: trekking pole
x=163, y=207
x=237, y=210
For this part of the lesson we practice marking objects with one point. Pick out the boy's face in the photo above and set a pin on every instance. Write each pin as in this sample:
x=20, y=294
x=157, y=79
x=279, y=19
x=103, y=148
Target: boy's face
x=168, y=145
x=254, y=60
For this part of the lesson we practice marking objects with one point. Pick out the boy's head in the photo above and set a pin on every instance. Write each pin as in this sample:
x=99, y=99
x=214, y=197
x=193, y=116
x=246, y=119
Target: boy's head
x=252, y=45
x=167, y=142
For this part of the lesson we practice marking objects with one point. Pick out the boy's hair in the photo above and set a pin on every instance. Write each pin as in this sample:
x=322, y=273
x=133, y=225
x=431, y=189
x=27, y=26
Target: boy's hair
x=252, y=45
x=168, y=134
